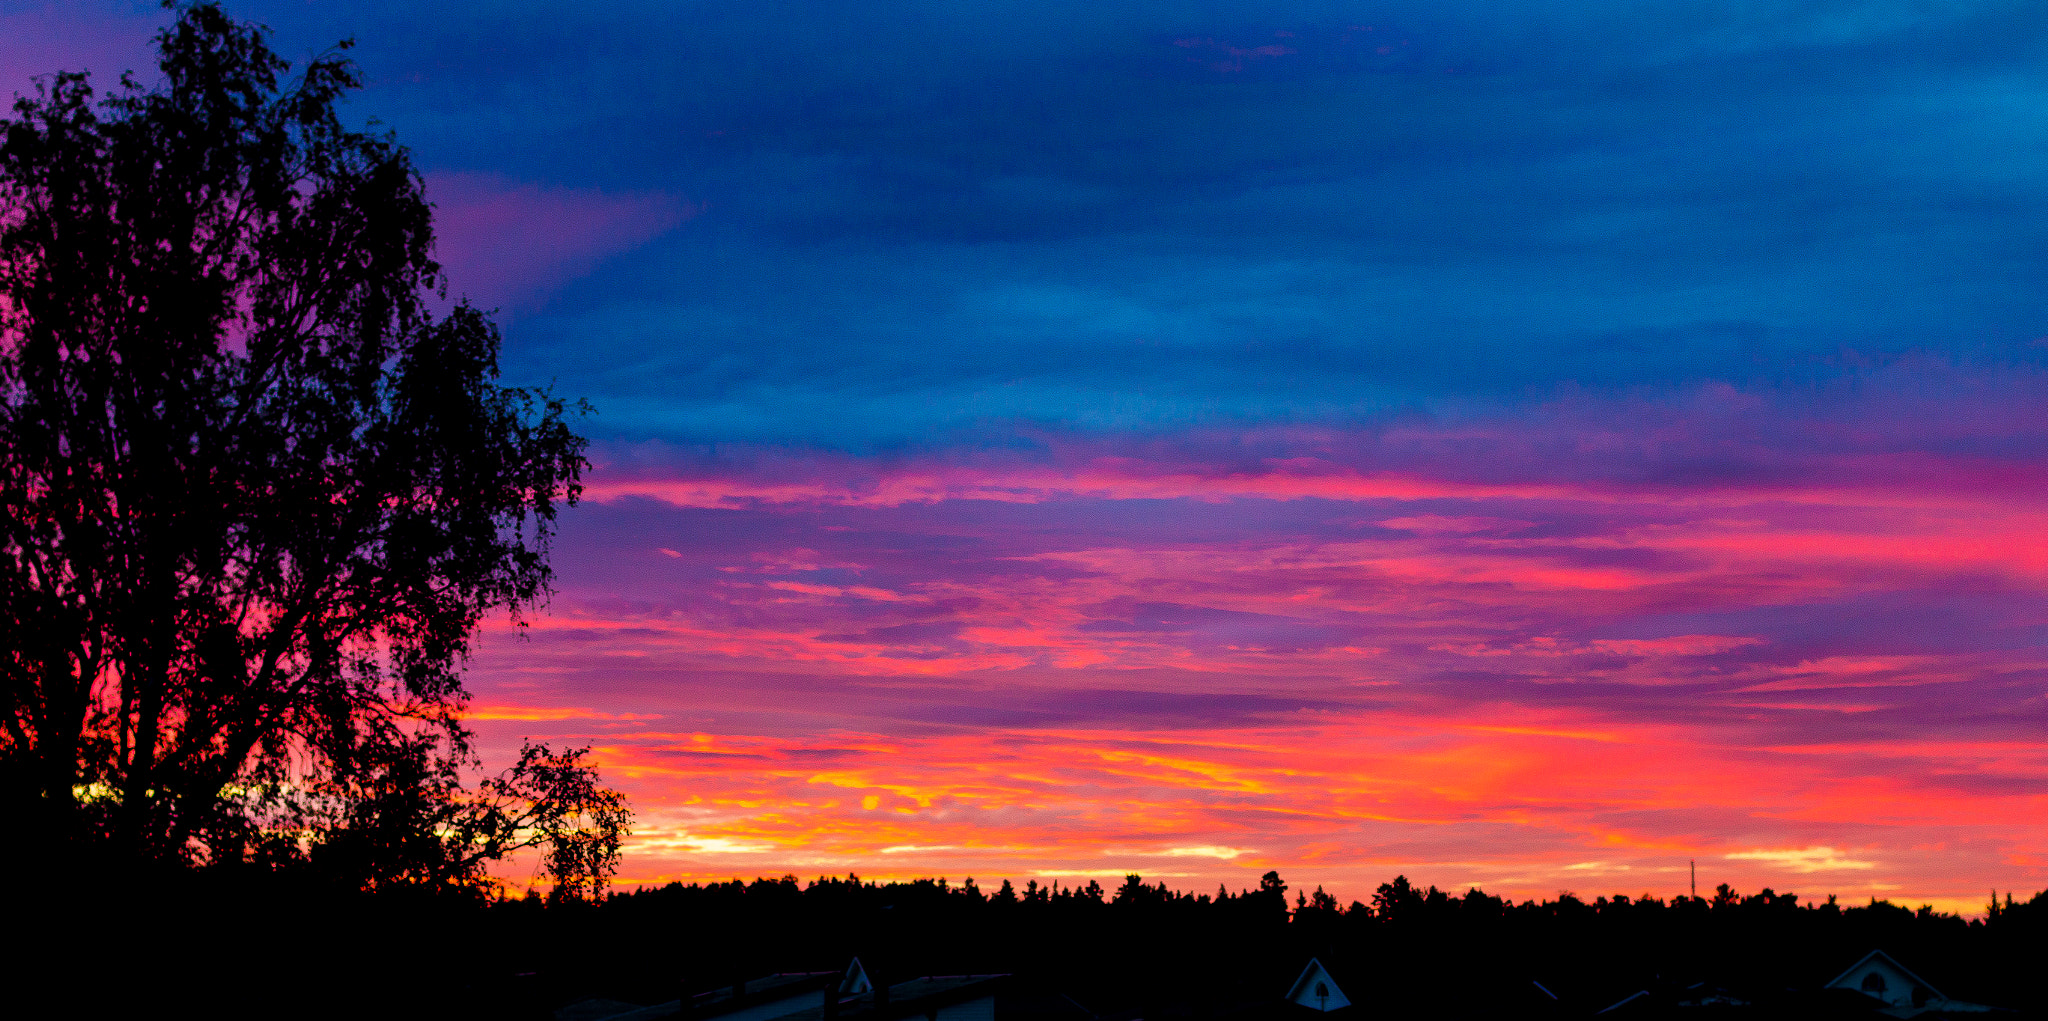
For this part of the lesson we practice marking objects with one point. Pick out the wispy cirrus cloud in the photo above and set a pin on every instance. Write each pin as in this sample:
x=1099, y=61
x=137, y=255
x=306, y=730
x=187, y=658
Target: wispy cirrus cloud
x=548, y=714
x=1583, y=678
x=1804, y=860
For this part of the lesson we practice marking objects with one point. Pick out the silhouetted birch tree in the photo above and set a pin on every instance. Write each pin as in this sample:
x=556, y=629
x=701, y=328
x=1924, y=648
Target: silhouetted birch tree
x=256, y=494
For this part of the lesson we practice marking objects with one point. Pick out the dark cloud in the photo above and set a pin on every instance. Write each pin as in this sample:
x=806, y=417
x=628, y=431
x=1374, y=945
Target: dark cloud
x=921, y=223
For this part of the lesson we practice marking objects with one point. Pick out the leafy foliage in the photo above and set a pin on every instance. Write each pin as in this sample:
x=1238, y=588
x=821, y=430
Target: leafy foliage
x=257, y=495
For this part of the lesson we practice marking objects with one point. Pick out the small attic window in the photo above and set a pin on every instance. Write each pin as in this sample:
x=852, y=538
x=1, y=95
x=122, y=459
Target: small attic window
x=1873, y=983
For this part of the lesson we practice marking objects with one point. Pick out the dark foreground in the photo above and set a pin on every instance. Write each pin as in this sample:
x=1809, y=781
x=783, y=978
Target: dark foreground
x=258, y=947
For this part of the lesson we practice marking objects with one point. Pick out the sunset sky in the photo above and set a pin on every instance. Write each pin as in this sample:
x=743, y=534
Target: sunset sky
x=1531, y=446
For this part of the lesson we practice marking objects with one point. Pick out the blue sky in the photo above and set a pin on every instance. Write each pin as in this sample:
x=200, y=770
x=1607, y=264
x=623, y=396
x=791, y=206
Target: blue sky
x=943, y=220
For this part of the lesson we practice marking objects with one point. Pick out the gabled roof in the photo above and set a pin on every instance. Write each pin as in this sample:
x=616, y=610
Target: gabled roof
x=1878, y=961
x=1316, y=990
x=855, y=981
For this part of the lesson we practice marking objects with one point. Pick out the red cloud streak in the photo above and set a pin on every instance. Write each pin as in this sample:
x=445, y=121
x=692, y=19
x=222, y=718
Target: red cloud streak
x=1122, y=665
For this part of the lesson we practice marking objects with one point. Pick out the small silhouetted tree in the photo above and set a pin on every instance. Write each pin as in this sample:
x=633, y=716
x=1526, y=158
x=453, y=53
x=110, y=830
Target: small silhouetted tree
x=1271, y=896
x=256, y=494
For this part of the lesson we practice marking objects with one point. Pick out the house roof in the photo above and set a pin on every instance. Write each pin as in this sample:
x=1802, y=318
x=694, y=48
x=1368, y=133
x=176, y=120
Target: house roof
x=855, y=981
x=1878, y=960
x=1316, y=989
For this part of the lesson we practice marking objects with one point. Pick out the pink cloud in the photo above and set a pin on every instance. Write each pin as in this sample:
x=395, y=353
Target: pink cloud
x=507, y=243
x=1510, y=802
x=1470, y=651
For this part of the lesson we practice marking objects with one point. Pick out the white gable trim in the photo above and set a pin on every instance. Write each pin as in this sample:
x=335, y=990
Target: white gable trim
x=1316, y=990
x=1881, y=962
x=855, y=981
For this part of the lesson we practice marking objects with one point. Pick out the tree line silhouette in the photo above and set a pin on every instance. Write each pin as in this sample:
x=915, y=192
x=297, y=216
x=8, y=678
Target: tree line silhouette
x=1143, y=949
x=1134, y=949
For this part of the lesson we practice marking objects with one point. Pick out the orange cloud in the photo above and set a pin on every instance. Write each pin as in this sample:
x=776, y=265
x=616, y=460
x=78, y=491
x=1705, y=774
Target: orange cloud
x=1030, y=672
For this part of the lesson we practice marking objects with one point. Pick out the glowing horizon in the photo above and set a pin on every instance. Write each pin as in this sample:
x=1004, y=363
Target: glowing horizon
x=1529, y=448
x=1072, y=668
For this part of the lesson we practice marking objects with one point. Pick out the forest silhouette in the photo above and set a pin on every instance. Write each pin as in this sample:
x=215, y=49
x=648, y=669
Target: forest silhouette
x=1132, y=950
x=1159, y=952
